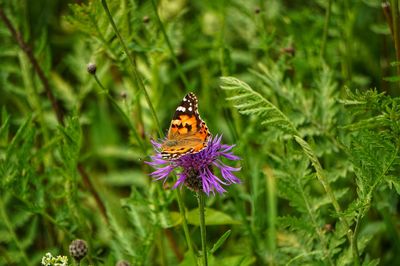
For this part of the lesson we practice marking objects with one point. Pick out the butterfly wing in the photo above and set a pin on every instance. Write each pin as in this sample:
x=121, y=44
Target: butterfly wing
x=187, y=133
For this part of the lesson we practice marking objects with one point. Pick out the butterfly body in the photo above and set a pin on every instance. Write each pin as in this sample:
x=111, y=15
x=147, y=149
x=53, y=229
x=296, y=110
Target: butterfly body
x=188, y=133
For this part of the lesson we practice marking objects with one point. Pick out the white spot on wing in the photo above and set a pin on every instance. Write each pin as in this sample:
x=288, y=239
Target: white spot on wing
x=181, y=108
x=190, y=109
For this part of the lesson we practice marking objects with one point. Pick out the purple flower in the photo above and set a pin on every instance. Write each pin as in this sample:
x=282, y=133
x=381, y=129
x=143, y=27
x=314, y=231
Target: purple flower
x=196, y=171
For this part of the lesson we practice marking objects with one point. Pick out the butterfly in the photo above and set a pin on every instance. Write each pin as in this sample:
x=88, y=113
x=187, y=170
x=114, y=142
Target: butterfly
x=188, y=133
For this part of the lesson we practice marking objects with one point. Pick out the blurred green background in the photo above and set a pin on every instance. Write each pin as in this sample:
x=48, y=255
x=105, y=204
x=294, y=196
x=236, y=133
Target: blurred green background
x=85, y=177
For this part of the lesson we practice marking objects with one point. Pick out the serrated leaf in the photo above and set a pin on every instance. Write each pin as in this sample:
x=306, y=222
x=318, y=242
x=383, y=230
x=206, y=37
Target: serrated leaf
x=373, y=262
x=250, y=102
x=71, y=145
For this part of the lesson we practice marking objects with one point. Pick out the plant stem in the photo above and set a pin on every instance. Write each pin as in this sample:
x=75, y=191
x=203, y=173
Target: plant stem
x=328, y=189
x=326, y=27
x=89, y=184
x=171, y=49
x=367, y=205
x=353, y=242
x=182, y=210
x=200, y=200
x=388, y=15
x=54, y=104
x=137, y=79
x=39, y=71
x=8, y=224
x=121, y=112
x=396, y=35
x=272, y=213
x=313, y=220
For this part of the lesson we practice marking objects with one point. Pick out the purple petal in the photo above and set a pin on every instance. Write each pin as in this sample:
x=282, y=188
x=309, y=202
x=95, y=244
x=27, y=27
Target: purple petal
x=227, y=175
x=201, y=162
x=162, y=172
x=155, y=144
x=180, y=181
x=213, y=177
x=230, y=156
x=155, y=162
x=211, y=182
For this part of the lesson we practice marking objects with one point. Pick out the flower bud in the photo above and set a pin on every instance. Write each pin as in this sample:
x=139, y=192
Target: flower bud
x=146, y=19
x=91, y=68
x=123, y=94
x=78, y=249
x=123, y=263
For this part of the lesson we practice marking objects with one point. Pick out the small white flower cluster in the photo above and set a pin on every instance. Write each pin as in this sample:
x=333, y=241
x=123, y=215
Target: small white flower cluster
x=49, y=260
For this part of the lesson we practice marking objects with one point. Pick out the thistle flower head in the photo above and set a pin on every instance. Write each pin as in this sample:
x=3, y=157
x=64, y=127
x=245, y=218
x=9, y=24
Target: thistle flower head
x=197, y=171
x=78, y=249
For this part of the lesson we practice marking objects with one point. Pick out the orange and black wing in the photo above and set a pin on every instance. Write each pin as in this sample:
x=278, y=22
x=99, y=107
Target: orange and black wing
x=187, y=133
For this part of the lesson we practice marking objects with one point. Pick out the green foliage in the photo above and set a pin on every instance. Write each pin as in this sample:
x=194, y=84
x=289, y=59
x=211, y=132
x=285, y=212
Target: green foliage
x=249, y=102
x=320, y=151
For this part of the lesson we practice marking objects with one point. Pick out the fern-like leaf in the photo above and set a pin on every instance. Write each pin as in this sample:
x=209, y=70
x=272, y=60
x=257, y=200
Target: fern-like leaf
x=250, y=102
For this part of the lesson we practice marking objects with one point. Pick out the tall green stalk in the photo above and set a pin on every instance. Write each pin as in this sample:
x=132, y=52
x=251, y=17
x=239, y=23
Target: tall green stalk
x=200, y=200
x=326, y=27
x=137, y=79
x=171, y=49
x=121, y=112
x=182, y=210
x=329, y=191
x=272, y=214
x=396, y=34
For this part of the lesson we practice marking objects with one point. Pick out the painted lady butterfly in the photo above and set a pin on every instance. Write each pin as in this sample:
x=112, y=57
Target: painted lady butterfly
x=187, y=134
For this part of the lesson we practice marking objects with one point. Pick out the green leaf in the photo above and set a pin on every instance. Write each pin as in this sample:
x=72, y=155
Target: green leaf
x=220, y=241
x=373, y=154
x=373, y=262
x=171, y=219
x=188, y=260
x=212, y=217
x=239, y=260
x=250, y=102
x=71, y=145
x=392, y=78
x=4, y=127
x=394, y=63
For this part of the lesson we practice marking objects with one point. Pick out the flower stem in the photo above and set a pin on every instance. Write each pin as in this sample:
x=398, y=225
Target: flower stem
x=322, y=178
x=121, y=112
x=396, y=35
x=171, y=49
x=36, y=66
x=200, y=200
x=137, y=79
x=326, y=27
x=182, y=210
x=271, y=212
